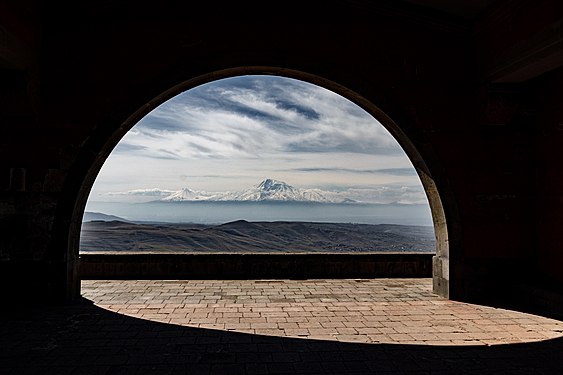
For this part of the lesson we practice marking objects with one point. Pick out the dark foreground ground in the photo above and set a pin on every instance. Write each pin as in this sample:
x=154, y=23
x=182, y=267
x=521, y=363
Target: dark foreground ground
x=212, y=327
x=255, y=237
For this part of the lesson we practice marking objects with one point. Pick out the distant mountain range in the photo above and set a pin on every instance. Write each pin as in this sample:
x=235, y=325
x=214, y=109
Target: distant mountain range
x=267, y=190
x=242, y=236
x=98, y=216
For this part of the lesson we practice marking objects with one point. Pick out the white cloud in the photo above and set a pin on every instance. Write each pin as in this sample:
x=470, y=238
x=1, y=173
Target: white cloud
x=253, y=123
x=154, y=192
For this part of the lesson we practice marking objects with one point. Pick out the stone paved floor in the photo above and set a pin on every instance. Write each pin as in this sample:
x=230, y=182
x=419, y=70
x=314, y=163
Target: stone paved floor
x=382, y=326
x=367, y=311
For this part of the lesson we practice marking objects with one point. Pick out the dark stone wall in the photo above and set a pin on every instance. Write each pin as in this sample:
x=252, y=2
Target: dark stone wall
x=86, y=75
x=546, y=95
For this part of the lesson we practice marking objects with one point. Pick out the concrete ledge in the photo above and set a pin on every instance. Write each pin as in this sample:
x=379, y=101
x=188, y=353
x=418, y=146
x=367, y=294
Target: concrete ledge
x=254, y=266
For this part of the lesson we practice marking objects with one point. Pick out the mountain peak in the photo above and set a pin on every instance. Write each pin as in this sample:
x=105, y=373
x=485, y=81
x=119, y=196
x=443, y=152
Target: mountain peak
x=273, y=185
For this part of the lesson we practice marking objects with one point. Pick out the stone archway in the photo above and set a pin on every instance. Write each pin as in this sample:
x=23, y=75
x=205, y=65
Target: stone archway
x=98, y=151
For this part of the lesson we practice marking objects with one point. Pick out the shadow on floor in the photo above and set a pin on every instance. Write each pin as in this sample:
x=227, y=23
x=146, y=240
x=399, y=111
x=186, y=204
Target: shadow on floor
x=85, y=339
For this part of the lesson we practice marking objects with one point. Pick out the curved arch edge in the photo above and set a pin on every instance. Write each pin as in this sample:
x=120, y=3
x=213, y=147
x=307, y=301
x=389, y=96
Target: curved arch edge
x=98, y=152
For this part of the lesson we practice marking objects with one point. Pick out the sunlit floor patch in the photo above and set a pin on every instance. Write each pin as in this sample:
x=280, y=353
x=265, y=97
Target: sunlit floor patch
x=387, y=311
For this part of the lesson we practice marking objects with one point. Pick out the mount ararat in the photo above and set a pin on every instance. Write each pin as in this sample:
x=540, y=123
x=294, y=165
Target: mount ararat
x=267, y=190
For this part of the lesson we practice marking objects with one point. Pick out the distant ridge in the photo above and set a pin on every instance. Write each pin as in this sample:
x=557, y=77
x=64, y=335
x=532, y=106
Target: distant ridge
x=98, y=216
x=241, y=236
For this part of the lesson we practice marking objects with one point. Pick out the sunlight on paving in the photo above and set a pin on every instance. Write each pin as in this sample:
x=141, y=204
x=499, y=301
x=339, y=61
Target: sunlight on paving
x=387, y=311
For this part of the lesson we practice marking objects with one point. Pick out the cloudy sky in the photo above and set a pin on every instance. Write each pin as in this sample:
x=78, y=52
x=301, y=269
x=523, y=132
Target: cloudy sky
x=231, y=134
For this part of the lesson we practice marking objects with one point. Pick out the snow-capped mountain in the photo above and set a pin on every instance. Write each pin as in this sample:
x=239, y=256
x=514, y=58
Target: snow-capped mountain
x=267, y=190
x=274, y=190
x=187, y=195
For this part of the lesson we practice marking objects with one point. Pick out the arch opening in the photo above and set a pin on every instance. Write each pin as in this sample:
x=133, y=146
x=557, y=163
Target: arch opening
x=440, y=263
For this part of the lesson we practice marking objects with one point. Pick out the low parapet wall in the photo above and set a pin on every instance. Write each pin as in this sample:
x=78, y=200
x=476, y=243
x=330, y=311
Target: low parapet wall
x=254, y=266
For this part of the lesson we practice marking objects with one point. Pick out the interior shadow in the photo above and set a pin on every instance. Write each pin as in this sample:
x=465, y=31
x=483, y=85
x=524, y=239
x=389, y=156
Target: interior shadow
x=538, y=297
x=85, y=339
